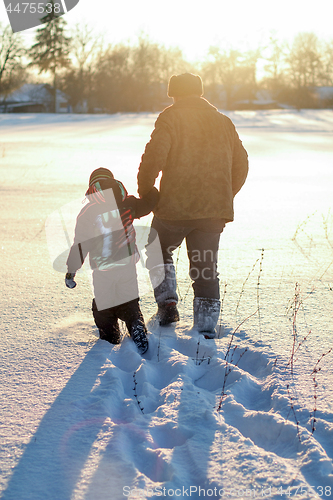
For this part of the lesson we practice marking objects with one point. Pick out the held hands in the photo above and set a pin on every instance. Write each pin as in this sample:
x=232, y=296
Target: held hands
x=69, y=280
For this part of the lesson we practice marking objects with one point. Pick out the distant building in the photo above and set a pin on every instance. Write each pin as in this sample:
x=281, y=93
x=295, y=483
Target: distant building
x=35, y=98
x=323, y=96
x=262, y=100
x=240, y=97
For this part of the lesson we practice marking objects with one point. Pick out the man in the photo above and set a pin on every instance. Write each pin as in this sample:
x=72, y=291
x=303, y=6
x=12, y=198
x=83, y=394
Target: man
x=204, y=165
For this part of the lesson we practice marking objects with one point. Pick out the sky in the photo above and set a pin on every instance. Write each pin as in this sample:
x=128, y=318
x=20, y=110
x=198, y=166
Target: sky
x=194, y=27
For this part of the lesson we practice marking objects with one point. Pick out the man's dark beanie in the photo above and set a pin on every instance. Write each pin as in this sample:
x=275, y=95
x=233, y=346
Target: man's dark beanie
x=99, y=174
x=185, y=85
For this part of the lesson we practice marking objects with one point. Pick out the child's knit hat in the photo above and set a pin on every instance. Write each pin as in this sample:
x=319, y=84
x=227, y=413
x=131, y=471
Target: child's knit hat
x=99, y=174
x=102, y=179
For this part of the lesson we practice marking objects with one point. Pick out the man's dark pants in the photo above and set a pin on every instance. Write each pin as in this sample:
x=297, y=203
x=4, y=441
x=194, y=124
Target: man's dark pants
x=202, y=238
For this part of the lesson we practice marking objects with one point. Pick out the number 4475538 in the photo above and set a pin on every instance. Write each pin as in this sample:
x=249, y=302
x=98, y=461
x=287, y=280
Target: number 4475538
x=33, y=7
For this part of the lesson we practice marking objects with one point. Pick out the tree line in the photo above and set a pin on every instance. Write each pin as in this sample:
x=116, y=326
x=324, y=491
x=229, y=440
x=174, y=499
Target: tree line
x=99, y=77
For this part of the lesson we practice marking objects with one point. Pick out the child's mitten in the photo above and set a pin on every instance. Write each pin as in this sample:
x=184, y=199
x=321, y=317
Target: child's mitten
x=69, y=280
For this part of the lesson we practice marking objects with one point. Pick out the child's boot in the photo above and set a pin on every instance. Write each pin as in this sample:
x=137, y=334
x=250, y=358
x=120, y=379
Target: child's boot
x=138, y=332
x=132, y=315
x=107, y=324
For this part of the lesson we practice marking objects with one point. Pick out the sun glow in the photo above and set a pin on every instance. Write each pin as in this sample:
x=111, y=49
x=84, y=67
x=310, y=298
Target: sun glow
x=243, y=25
x=240, y=24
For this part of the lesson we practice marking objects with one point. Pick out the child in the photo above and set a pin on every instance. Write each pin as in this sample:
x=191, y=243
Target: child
x=104, y=229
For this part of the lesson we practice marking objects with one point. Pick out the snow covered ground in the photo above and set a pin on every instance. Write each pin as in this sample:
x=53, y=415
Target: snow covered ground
x=81, y=419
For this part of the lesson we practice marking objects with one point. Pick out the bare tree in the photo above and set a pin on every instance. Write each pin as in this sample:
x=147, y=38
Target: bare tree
x=85, y=46
x=275, y=57
x=78, y=82
x=172, y=62
x=113, y=82
x=232, y=72
x=305, y=60
x=11, y=54
x=305, y=68
x=134, y=78
x=147, y=60
x=327, y=63
x=152, y=66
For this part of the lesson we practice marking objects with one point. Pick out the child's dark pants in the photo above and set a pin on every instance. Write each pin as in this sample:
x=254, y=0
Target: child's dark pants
x=107, y=319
